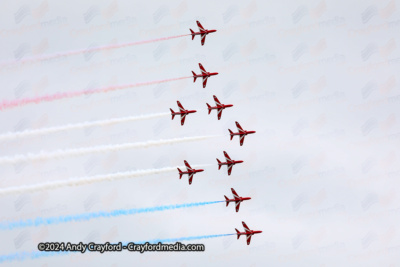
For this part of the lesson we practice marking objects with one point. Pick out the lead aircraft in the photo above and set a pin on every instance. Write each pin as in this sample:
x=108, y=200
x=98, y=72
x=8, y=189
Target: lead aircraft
x=247, y=232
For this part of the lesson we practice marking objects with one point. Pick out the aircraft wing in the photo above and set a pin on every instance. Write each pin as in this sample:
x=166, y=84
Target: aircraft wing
x=237, y=206
x=190, y=178
x=235, y=195
x=180, y=106
x=201, y=28
x=248, y=239
x=239, y=127
x=216, y=101
x=230, y=169
x=242, y=139
x=187, y=165
x=219, y=113
x=246, y=229
x=203, y=71
x=203, y=38
x=228, y=159
x=183, y=116
x=205, y=81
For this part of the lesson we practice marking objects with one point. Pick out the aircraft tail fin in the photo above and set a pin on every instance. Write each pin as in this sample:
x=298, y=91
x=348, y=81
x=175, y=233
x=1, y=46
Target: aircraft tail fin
x=194, y=76
x=231, y=133
x=172, y=113
x=219, y=164
x=193, y=35
x=227, y=201
x=238, y=233
x=209, y=108
x=180, y=173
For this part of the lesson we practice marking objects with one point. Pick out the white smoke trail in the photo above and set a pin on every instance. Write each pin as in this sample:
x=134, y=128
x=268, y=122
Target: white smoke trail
x=85, y=180
x=62, y=153
x=26, y=133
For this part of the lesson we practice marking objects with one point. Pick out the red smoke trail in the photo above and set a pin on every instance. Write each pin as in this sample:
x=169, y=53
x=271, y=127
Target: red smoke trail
x=47, y=98
x=88, y=50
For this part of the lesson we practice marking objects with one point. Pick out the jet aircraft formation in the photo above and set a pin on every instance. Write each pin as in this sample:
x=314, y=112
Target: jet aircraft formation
x=204, y=75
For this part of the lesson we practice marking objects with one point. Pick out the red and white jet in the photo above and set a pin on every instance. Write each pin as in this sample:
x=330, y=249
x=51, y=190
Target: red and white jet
x=219, y=107
x=236, y=199
x=247, y=232
x=183, y=112
x=190, y=171
x=242, y=133
x=203, y=32
x=204, y=74
x=229, y=162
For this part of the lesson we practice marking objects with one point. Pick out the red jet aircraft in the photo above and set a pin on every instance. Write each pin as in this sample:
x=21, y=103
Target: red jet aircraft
x=228, y=162
x=183, y=112
x=247, y=232
x=204, y=74
x=219, y=107
x=203, y=32
x=236, y=199
x=242, y=133
x=190, y=171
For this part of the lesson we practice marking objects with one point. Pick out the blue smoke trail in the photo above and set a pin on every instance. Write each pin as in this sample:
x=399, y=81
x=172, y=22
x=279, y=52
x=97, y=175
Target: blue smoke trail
x=187, y=238
x=93, y=215
x=21, y=256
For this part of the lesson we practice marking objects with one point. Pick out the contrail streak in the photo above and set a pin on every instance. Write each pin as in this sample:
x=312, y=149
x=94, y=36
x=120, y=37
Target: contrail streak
x=85, y=180
x=48, y=98
x=100, y=214
x=62, y=153
x=50, y=130
x=83, y=51
x=24, y=255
